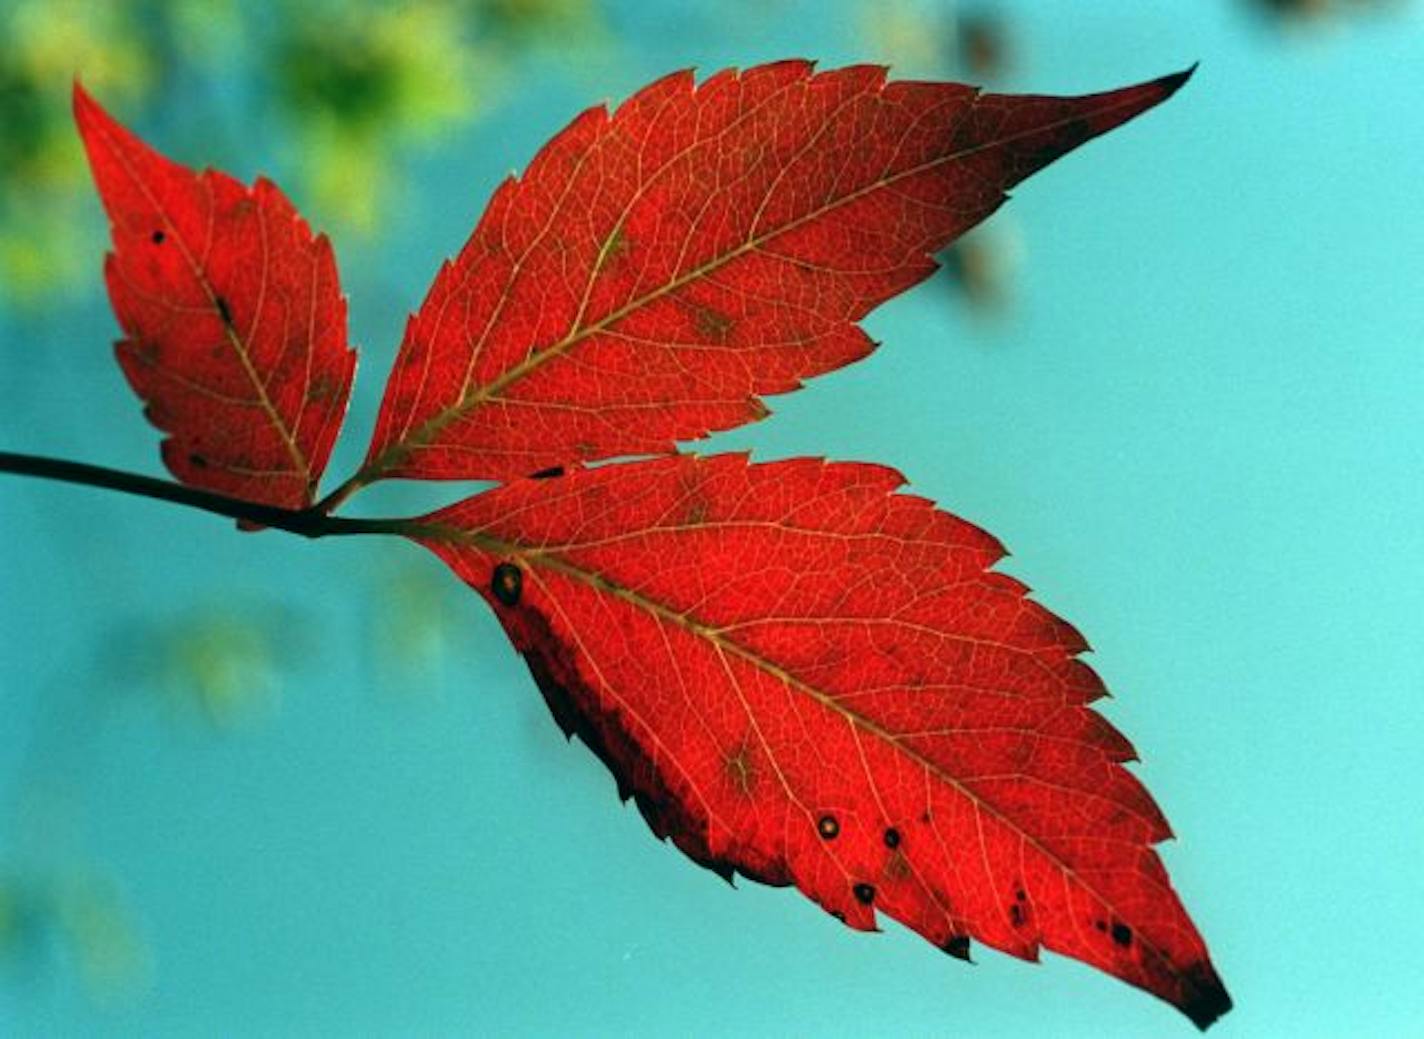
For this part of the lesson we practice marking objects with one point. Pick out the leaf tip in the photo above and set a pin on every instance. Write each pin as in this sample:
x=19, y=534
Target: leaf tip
x=1170, y=84
x=1210, y=999
x=82, y=104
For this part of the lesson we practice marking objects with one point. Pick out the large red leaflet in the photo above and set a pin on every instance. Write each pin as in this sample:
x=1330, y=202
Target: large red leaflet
x=807, y=677
x=234, y=324
x=656, y=270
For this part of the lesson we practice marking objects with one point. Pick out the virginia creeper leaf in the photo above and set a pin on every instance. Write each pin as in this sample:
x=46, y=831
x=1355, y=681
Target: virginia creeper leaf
x=657, y=270
x=234, y=323
x=811, y=679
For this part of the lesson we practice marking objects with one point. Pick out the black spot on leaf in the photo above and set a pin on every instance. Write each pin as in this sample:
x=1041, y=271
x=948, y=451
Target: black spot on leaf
x=864, y=893
x=508, y=582
x=197, y=461
x=1122, y=934
x=223, y=310
x=158, y=237
x=828, y=827
x=892, y=837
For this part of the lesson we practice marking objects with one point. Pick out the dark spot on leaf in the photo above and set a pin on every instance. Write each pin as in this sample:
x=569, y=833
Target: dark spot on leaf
x=925, y=818
x=1122, y=934
x=828, y=827
x=548, y=474
x=864, y=893
x=957, y=945
x=1016, y=914
x=1100, y=925
x=892, y=838
x=158, y=237
x=223, y=310
x=197, y=461
x=508, y=583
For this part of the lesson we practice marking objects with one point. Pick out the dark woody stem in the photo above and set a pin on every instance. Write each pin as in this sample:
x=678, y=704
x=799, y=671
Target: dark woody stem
x=313, y=522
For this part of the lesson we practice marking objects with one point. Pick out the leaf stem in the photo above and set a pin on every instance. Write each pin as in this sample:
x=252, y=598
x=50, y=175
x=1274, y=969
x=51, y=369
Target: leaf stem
x=350, y=486
x=313, y=522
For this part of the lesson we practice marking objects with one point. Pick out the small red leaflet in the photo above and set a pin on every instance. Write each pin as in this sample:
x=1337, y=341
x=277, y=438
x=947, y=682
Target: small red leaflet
x=234, y=324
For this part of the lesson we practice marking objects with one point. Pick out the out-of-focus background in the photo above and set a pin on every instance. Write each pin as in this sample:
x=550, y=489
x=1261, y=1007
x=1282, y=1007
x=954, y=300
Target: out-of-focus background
x=254, y=784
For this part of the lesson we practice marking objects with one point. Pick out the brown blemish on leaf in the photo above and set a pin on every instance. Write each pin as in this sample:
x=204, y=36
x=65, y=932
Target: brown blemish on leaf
x=741, y=770
x=324, y=389
x=828, y=827
x=712, y=324
x=696, y=511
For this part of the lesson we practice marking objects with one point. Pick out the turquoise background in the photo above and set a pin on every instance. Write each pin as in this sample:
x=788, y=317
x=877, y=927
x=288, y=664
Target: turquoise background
x=1196, y=426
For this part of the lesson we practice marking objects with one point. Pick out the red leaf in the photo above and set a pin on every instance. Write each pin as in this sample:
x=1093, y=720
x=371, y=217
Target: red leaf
x=656, y=270
x=806, y=677
x=234, y=323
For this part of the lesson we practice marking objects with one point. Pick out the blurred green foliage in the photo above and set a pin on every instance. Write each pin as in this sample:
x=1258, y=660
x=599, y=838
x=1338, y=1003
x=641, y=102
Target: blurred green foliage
x=357, y=82
x=415, y=614
x=354, y=87
x=93, y=922
x=45, y=44
x=80, y=916
x=222, y=667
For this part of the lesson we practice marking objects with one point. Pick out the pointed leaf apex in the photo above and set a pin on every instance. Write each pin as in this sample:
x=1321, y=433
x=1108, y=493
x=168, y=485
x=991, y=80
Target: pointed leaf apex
x=1172, y=83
